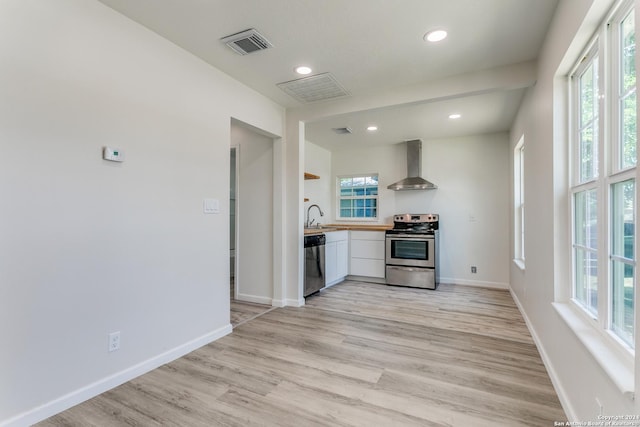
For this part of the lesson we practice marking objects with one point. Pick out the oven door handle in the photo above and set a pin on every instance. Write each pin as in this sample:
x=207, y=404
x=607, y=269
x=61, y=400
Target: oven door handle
x=405, y=268
x=410, y=237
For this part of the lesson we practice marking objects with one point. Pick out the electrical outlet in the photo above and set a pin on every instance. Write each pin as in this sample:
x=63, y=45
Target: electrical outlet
x=474, y=269
x=114, y=341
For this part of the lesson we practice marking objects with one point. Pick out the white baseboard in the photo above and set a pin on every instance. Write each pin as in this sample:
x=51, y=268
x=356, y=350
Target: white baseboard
x=288, y=302
x=85, y=393
x=479, y=283
x=254, y=298
x=446, y=280
x=555, y=380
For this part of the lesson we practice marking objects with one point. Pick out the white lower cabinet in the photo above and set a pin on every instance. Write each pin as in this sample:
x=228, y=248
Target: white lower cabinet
x=367, y=254
x=336, y=255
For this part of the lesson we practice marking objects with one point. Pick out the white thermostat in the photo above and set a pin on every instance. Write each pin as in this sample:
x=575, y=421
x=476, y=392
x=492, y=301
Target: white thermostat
x=211, y=206
x=113, y=154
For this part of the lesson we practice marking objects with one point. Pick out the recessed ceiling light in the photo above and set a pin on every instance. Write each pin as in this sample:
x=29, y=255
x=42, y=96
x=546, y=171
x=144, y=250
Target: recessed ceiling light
x=435, y=36
x=303, y=69
x=455, y=116
x=372, y=128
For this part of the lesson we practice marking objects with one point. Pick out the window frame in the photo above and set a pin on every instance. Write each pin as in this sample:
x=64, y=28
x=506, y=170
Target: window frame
x=340, y=197
x=519, y=204
x=591, y=56
x=606, y=46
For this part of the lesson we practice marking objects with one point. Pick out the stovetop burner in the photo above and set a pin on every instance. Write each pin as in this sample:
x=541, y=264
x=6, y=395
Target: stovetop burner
x=414, y=224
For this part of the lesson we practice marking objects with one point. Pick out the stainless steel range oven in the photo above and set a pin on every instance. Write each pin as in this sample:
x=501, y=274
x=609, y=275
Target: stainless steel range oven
x=412, y=251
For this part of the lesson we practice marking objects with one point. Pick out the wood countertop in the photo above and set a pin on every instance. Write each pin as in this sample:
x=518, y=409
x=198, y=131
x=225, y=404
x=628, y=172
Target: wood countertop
x=327, y=228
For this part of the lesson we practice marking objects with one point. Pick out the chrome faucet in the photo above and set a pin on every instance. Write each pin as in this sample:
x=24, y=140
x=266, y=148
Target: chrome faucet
x=307, y=223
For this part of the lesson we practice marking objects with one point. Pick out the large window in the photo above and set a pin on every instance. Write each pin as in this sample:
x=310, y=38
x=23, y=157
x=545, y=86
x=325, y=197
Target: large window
x=358, y=197
x=518, y=197
x=604, y=143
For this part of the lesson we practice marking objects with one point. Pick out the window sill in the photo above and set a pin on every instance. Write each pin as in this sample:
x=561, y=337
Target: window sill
x=519, y=263
x=617, y=365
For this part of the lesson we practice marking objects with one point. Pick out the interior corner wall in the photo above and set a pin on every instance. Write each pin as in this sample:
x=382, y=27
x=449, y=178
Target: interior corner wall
x=89, y=247
x=579, y=380
x=319, y=191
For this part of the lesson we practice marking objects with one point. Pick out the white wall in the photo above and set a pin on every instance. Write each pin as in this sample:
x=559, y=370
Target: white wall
x=317, y=160
x=472, y=175
x=89, y=247
x=578, y=378
x=254, y=251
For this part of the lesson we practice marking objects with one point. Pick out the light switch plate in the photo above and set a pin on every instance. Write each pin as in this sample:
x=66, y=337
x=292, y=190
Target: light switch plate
x=211, y=206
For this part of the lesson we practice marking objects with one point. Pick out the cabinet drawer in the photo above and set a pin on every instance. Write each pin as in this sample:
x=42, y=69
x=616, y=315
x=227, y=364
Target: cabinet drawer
x=367, y=267
x=367, y=235
x=336, y=236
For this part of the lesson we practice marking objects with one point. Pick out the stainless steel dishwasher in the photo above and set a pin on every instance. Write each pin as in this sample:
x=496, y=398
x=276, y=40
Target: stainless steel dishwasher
x=313, y=263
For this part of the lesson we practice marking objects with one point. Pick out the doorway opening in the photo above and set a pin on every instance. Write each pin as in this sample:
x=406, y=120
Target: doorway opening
x=251, y=213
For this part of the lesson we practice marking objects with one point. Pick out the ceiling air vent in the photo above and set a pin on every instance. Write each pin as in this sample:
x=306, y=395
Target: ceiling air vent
x=314, y=88
x=246, y=42
x=342, y=131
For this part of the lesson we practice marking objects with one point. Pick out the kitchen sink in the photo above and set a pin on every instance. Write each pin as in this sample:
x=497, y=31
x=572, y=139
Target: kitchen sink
x=318, y=229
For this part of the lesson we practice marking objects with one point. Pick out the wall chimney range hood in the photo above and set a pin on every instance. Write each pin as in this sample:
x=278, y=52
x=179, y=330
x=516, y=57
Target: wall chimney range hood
x=413, y=181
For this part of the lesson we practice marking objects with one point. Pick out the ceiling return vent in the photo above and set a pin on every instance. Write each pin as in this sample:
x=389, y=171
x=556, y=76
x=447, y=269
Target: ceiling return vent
x=319, y=87
x=247, y=41
x=342, y=131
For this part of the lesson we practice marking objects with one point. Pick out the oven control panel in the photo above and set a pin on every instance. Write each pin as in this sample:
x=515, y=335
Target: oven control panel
x=415, y=218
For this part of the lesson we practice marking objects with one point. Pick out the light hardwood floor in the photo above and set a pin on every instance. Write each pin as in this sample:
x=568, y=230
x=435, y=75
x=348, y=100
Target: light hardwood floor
x=358, y=354
x=242, y=311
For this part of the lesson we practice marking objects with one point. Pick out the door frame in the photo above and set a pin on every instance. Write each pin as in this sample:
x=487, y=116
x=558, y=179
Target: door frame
x=235, y=148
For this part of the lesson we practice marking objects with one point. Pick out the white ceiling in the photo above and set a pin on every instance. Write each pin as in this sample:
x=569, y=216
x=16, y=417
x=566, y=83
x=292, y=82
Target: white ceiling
x=369, y=46
x=492, y=112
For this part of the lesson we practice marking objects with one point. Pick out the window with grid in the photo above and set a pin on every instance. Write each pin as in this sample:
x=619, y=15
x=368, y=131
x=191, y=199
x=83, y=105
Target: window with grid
x=585, y=195
x=358, y=197
x=603, y=84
